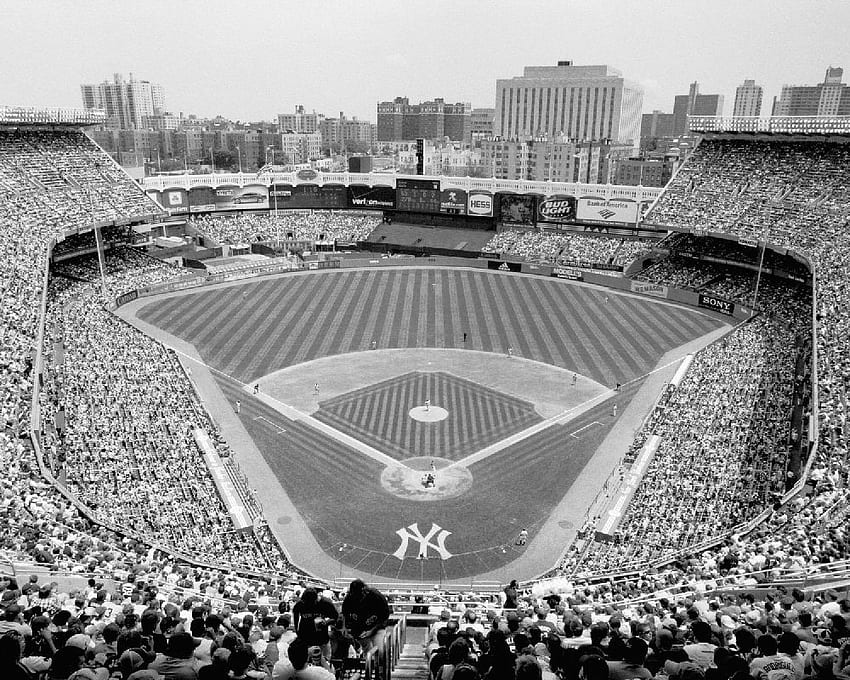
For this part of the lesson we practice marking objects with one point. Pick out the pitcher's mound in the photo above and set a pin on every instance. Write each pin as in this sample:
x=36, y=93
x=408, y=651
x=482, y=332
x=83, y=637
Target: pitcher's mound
x=431, y=414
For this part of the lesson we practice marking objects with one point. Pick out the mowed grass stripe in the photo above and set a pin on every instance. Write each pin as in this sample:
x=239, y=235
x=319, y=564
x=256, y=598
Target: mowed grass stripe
x=411, y=285
x=641, y=341
x=376, y=296
x=264, y=344
x=658, y=322
x=476, y=339
x=505, y=313
x=483, y=309
x=389, y=300
x=323, y=317
x=345, y=328
x=614, y=348
x=525, y=317
x=563, y=336
x=549, y=328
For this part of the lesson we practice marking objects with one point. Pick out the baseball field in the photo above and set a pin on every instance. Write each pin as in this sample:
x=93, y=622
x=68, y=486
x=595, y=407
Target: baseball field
x=356, y=386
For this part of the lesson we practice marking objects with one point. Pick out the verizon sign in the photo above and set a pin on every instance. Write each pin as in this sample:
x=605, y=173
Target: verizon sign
x=600, y=211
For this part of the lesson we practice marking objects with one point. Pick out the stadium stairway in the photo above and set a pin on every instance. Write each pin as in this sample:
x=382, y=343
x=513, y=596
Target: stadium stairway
x=412, y=664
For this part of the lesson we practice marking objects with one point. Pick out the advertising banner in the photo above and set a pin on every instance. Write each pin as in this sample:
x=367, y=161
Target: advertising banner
x=175, y=201
x=201, y=199
x=517, y=209
x=647, y=288
x=567, y=273
x=748, y=241
x=717, y=304
x=249, y=197
x=453, y=201
x=601, y=211
x=371, y=198
x=480, y=204
x=557, y=209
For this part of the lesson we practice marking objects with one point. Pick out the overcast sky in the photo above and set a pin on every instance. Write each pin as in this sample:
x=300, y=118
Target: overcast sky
x=252, y=60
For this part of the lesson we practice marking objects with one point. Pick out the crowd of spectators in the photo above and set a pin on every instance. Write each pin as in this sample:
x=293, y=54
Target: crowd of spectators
x=553, y=248
x=321, y=226
x=42, y=524
x=730, y=283
x=751, y=190
x=724, y=432
x=138, y=629
x=724, y=445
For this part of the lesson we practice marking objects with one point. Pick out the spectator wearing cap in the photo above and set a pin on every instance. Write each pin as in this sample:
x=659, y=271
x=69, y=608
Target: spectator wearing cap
x=176, y=663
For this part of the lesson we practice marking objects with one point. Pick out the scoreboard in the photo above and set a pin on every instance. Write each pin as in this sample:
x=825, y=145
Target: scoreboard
x=307, y=196
x=418, y=195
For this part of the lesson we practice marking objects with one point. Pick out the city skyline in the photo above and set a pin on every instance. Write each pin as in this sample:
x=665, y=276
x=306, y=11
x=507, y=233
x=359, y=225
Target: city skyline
x=348, y=56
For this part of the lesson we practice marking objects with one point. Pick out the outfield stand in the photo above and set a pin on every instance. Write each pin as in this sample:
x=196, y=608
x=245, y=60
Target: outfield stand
x=554, y=248
x=321, y=226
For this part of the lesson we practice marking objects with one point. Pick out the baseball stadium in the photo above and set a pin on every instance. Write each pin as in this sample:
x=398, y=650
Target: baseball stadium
x=225, y=388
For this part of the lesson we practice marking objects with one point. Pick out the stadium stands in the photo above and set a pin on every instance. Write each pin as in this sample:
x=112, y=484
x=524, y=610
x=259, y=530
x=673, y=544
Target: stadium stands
x=140, y=495
x=550, y=248
x=318, y=226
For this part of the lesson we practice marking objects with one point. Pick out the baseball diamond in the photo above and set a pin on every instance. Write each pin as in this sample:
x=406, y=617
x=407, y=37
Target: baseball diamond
x=332, y=418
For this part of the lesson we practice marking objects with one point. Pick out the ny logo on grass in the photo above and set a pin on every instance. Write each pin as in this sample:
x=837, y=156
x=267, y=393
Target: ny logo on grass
x=412, y=533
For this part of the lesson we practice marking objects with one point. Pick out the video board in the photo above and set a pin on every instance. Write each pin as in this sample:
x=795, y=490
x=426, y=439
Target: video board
x=517, y=208
x=418, y=195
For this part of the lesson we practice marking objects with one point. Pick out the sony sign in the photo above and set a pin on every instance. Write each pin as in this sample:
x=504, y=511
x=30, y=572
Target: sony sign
x=481, y=205
x=717, y=304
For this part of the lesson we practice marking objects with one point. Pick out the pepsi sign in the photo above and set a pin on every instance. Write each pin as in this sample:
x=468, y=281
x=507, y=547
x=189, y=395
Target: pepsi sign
x=306, y=174
x=557, y=209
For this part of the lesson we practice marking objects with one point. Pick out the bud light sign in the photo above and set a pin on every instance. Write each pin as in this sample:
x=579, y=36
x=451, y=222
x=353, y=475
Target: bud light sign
x=557, y=209
x=480, y=204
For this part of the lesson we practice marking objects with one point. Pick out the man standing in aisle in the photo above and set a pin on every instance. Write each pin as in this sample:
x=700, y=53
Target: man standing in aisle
x=365, y=612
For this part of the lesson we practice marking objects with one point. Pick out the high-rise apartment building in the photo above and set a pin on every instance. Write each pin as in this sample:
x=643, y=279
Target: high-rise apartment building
x=481, y=124
x=748, y=99
x=399, y=120
x=127, y=103
x=346, y=133
x=694, y=104
x=829, y=98
x=300, y=121
x=584, y=103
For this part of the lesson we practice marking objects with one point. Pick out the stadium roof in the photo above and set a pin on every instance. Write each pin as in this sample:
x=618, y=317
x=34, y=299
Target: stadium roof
x=22, y=115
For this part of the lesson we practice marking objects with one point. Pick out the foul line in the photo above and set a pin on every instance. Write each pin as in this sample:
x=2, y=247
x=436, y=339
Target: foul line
x=573, y=434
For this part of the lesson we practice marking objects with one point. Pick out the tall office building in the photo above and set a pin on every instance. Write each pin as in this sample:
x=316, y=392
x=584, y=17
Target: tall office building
x=748, y=99
x=829, y=98
x=127, y=103
x=399, y=120
x=694, y=104
x=584, y=103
